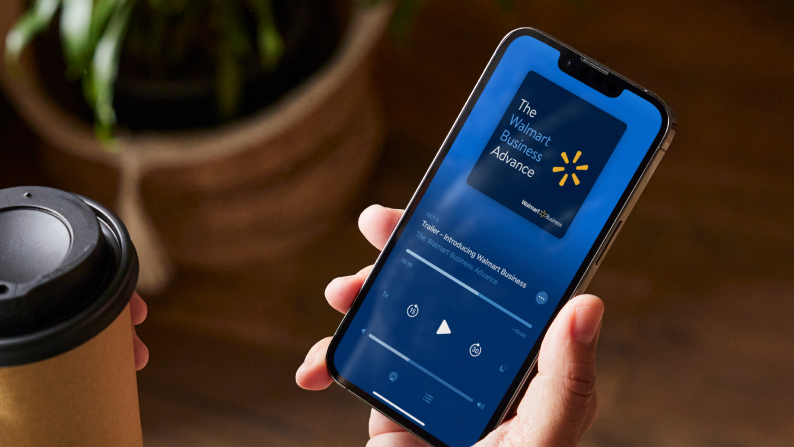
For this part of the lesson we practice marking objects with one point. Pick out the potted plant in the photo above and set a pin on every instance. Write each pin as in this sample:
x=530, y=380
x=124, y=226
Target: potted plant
x=225, y=131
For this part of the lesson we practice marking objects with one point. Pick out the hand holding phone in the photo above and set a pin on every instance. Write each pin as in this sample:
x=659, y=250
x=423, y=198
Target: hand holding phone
x=510, y=223
x=559, y=405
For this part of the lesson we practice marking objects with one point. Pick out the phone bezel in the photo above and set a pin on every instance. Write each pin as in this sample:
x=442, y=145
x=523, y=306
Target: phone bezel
x=668, y=123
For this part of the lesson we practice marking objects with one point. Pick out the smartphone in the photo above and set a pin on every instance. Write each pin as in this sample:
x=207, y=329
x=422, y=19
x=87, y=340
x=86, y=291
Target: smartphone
x=512, y=219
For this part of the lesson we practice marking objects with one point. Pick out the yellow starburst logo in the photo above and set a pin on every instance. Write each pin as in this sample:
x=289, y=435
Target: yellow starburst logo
x=573, y=174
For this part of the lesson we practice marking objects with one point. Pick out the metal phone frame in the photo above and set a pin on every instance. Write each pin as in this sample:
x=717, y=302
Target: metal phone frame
x=585, y=273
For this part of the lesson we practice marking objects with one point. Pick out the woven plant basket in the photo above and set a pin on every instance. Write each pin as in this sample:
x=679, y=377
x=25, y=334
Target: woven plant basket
x=255, y=189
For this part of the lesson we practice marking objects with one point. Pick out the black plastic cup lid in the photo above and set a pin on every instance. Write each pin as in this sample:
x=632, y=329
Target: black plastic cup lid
x=67, y=270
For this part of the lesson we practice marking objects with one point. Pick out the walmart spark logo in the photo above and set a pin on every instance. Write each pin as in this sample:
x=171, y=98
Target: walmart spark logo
x=562, y=168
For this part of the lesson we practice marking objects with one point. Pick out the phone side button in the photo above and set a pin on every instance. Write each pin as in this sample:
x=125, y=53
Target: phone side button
x=609, y=243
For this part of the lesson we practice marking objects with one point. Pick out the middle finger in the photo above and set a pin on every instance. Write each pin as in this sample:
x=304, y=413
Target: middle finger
x=341, y=292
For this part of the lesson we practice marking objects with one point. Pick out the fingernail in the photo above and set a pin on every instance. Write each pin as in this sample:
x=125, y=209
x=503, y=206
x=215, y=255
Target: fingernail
x=585, y=323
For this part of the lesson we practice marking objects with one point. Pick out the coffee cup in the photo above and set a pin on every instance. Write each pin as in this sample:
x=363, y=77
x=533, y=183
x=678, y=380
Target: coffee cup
x=67, y=368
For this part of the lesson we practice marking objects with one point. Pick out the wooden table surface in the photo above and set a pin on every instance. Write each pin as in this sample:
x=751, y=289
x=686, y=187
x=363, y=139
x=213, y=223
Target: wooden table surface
x=696, y=347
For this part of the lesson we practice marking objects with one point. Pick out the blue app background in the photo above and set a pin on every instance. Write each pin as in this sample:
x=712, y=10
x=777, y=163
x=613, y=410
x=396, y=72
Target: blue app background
x=439, y=384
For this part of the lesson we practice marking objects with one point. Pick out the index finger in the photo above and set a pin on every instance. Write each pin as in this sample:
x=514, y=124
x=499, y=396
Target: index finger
x=377, y=224
x=341, y=292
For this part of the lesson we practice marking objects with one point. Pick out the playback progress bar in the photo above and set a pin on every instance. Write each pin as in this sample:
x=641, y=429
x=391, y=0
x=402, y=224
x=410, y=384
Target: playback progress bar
x=465, y=286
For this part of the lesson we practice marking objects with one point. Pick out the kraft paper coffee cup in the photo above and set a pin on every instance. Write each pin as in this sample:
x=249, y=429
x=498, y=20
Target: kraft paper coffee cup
x=67, y=369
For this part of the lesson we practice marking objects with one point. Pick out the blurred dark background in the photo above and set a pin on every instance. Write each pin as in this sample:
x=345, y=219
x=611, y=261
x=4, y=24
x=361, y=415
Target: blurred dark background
x=696, y=347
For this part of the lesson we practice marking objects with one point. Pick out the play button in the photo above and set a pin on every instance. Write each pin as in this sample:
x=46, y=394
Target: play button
x=444, y=328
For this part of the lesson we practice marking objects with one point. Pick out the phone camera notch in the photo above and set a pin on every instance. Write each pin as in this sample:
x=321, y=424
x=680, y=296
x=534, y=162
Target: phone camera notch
x=590, y=73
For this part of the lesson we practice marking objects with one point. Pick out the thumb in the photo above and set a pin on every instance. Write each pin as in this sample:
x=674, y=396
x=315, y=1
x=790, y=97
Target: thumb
x=560, y=403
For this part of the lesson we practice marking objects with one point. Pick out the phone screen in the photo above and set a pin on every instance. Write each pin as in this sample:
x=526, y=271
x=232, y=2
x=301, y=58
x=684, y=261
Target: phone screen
x=453, y=314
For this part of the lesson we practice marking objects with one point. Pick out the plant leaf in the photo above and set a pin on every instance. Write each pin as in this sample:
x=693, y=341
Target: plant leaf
x=103, y=9
x=269, y=41
x=403, y=18
x=105, y=66
x=232, y=48
x=75, y=29
x=506, y=5
x=30, y=24
x=229, y=84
